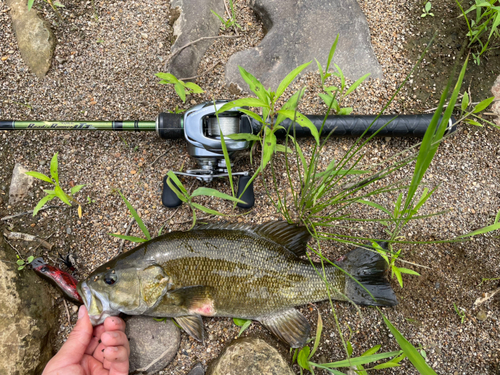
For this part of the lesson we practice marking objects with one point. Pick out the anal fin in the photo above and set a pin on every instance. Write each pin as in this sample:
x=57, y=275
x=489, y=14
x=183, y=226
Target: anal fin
x=290, y=326
x=193, y=325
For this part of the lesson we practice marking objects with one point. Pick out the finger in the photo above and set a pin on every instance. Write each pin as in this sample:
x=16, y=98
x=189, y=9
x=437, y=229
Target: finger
x=114, y=323
x=116, y=359
x=96, y=339
x=115, y=338
x=78, y=340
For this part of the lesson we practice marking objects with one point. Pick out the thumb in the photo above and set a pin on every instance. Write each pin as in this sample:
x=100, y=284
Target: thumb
x=73, y=349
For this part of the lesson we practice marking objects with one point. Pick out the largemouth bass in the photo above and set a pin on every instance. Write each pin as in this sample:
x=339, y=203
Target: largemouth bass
x=249, y=272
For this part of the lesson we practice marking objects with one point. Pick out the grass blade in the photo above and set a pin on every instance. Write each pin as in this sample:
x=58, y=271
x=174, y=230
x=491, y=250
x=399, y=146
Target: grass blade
x=136, y=216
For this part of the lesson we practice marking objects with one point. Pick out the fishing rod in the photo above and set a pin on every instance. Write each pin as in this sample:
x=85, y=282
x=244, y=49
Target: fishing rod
x=201, y=128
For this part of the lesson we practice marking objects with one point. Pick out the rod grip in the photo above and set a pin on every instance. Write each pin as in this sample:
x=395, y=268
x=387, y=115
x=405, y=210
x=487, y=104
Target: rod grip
x=355, y=126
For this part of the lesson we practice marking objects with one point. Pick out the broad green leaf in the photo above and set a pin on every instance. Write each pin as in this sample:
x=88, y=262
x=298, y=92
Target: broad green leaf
x=61, y=195
x=170, y=78
x=356, y=84
x=472, y=122
x=136, y=216
x=76, y=189
x=47, y=191
x=254, y=84
x=244, y=327
x=341, y=76
x=40, y=176
x=358, y=360
x=30, y=259
x=206, y=209
x=408, y=271
x=428, y=6
x=489, y=228
x=320, y=69
x=175, y=189
x=244, y=136
x=395, y=271
x=483, y=105
x=465, y=101
x=349, y=349
x=181, y=91
x=410, y=351
x=345, y=111
x=214, y=193
x=375, y=205
x=289, y=78
x=319, y=329
x=386, y=365
x=194, y=87
x=371, y=351
x=268, y=147
x=128, y=238
x=240, y=322
x=282, y=148
x=177, y=182
x=20, y=262
x=332, y=52
x=496, y=22
x=291, y=104
x=30, y=4
x=303, y=357
x=253, y=115
x=42, y=203
x=54, y=168
x=245, y=102
x=303, y=121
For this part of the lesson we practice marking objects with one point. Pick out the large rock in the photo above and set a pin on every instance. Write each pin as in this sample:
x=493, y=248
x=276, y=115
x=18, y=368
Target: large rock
x=20, y=184
x=195, y=21
x=250, y=356
x=153, y=344
x=495, y=90
x=34, y=37
x=28, y=322
x=298, y=32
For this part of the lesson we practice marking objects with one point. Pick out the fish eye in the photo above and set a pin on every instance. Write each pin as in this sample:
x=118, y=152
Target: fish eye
x=110, y=278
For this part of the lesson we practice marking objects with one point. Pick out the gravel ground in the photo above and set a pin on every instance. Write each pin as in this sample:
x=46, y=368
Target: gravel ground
x=105, y=70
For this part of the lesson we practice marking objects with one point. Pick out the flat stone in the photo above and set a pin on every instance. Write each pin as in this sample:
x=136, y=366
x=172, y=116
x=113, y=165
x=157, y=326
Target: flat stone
x=20, y=184
x=250, y=356
x=495, y=90
x=194, y=22
x=28, y=319
x=298, y=32
x=153, y=344
x=197, y=370
x=34, y=37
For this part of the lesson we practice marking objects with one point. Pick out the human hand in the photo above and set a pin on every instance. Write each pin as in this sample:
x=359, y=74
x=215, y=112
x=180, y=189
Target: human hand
x=102, y=350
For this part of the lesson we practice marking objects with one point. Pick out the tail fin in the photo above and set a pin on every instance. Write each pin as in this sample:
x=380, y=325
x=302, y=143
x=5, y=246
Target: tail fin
x=370, y=270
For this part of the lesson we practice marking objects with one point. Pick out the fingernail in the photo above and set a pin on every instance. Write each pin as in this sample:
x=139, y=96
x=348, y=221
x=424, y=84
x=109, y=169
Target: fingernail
x=81, y=312
x=112, y=348
x=113, y=334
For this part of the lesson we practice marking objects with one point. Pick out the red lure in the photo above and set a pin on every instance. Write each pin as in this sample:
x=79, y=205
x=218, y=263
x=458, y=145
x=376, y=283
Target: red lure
x=61, y=279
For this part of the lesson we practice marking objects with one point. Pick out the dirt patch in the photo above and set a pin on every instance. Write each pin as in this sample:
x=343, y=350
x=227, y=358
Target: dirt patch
x=450, y=42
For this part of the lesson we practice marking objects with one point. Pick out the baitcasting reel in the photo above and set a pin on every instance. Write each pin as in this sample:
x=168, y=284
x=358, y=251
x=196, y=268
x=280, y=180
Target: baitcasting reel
x=202, y=130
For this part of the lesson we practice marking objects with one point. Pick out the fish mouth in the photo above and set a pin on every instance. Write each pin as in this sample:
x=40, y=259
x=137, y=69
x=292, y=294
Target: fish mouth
x=98, y=307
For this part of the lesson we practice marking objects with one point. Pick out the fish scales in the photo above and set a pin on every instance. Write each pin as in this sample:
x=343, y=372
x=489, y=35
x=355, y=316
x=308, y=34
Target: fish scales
x=232, y=271
x=251, y=276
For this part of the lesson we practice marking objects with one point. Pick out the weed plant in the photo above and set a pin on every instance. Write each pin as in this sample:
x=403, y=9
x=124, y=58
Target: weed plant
x=483, y=28
x=322, y=199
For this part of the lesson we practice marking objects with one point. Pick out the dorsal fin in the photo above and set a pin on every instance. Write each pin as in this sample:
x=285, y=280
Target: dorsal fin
x=291, y=236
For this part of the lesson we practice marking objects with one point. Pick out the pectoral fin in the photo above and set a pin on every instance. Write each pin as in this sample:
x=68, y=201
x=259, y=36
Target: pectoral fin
x=193, y=325
x=290, y=326
x=195, y=299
